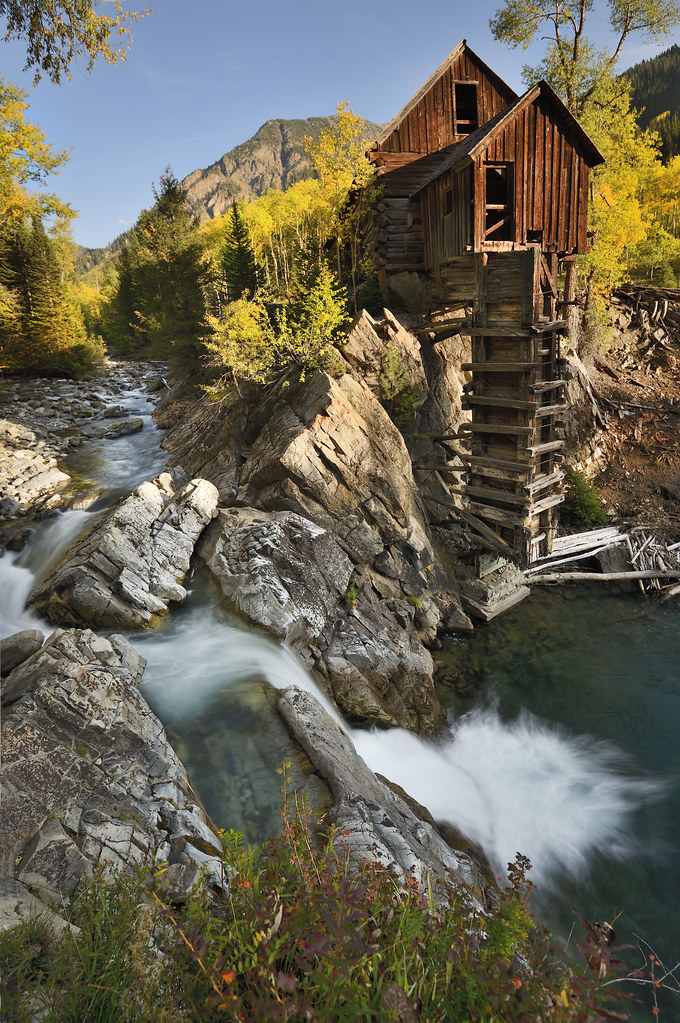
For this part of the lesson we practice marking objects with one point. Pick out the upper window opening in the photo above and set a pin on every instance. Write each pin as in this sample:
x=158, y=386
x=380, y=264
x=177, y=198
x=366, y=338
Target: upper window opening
x=466, y=107
x=448, y=202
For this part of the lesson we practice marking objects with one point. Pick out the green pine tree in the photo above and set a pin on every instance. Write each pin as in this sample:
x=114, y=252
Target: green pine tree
x=159, y=306
x=238, y=258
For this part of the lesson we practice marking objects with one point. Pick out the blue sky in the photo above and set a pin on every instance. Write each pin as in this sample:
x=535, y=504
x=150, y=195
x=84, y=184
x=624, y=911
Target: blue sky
x=203, y=75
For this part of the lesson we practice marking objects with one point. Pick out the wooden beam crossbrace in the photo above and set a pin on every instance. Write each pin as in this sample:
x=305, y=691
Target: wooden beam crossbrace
x=499, y=367
x=501, y=428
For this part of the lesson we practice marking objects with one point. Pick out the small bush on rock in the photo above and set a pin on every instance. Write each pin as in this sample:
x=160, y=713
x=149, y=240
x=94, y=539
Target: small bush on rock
x=582, y=502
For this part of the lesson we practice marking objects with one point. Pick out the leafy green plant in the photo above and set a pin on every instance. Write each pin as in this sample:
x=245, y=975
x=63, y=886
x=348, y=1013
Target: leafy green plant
x=582, y=501
x=350, y=597
x=414, y=601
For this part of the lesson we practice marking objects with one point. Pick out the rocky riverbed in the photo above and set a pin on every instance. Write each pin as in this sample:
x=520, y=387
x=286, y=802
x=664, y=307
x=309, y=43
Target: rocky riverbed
x=41, y=420
x=89, y=776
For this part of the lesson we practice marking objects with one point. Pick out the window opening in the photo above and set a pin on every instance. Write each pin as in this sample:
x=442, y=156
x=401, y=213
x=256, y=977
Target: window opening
x=448, y=202
x=466, y=107
x=498, y=219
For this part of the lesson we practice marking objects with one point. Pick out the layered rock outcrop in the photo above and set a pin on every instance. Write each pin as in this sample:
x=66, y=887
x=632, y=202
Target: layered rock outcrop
x=291, y=576
x=326, y=452
x=88, y=775
x=372, y=821
x=130, y=567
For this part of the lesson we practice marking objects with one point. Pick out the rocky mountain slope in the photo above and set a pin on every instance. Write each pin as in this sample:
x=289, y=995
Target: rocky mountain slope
x=273, y=158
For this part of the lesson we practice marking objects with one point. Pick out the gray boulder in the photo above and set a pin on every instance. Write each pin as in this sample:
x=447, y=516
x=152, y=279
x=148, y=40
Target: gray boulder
x=15, y=649
x=372, y=821
x=88, y=775
x=281, y=571
x=130, y=567
x=291, y=576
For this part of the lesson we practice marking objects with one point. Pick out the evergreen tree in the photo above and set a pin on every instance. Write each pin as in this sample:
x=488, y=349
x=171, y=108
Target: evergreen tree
x=160, y=303
x=238, y=258
x=40, y=325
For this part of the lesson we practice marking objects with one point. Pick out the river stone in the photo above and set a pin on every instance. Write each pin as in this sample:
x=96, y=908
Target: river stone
x=376, y=668
x=371, y=820
x=88, y=775
x=123, y=427
x=290, y=576
x=29, y=477
x=130, y=566
x=15, y=649
x=279, y=569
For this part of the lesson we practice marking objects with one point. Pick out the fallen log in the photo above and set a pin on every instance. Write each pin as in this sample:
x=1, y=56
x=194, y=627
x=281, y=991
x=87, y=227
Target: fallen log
x=602, y=577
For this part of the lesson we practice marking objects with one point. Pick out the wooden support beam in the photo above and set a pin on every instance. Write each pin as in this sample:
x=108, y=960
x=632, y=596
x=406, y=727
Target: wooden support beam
x=490, y=472
x=511, y=332
x=554, y=479
x=544, y=504
x=495, y=495
x=549, y=327
x=500, y=515
x=549, y=410
x=498, y=367
x=500, y=428
x=547, y=385
x=497, y=542
x=542, y=449
x=600, y=577
x=497, y=463
x=483, y=399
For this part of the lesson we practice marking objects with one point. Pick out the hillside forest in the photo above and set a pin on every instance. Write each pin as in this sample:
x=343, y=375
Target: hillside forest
x=265, y=287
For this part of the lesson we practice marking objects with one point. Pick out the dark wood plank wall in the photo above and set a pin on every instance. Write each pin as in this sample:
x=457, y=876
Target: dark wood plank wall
x=447, y=236
x=429, y=126
x=550, y=180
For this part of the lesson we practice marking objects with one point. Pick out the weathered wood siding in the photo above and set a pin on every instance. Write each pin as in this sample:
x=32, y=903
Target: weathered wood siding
x=446, y=212
x=397, y=235
x=550, y=181
x=429, y=126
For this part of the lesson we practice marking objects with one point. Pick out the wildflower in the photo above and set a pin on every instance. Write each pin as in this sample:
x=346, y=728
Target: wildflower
x=517, y=982
x=229, y=976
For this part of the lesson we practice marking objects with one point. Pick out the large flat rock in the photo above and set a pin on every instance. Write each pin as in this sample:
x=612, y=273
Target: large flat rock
x=130, y=567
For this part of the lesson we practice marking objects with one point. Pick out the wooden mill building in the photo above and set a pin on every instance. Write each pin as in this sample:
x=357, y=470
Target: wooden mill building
x=482, y=194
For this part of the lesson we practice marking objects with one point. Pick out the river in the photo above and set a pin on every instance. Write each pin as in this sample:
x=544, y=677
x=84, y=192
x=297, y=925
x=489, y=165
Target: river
x=565, y=751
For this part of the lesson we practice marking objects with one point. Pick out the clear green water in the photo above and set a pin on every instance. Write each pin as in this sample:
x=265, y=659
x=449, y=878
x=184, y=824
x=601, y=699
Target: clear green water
x=598, y=666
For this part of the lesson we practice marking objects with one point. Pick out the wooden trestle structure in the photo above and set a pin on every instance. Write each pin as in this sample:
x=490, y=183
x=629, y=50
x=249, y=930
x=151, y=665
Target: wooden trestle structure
x=482, y=194
x=516, y=397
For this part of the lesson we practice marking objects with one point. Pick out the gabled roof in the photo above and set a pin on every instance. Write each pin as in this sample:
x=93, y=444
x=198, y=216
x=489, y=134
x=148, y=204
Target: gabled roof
x=477, y=141
x=434, y=77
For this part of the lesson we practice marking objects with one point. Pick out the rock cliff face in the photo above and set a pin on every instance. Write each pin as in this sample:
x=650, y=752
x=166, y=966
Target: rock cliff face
x=88, y=775
x=326, y=463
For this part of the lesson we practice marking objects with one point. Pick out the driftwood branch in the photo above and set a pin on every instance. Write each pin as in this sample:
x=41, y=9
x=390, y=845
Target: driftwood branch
x=602, y=577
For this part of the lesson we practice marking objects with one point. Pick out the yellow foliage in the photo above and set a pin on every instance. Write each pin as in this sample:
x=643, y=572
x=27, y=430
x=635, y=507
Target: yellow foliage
x=26, y=159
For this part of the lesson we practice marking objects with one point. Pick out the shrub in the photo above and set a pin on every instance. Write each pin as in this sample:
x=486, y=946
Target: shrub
x=397, y=395
x=582, y=501
x=300, y=931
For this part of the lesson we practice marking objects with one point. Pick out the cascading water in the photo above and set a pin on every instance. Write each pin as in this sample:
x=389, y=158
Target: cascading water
x=511, y=781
